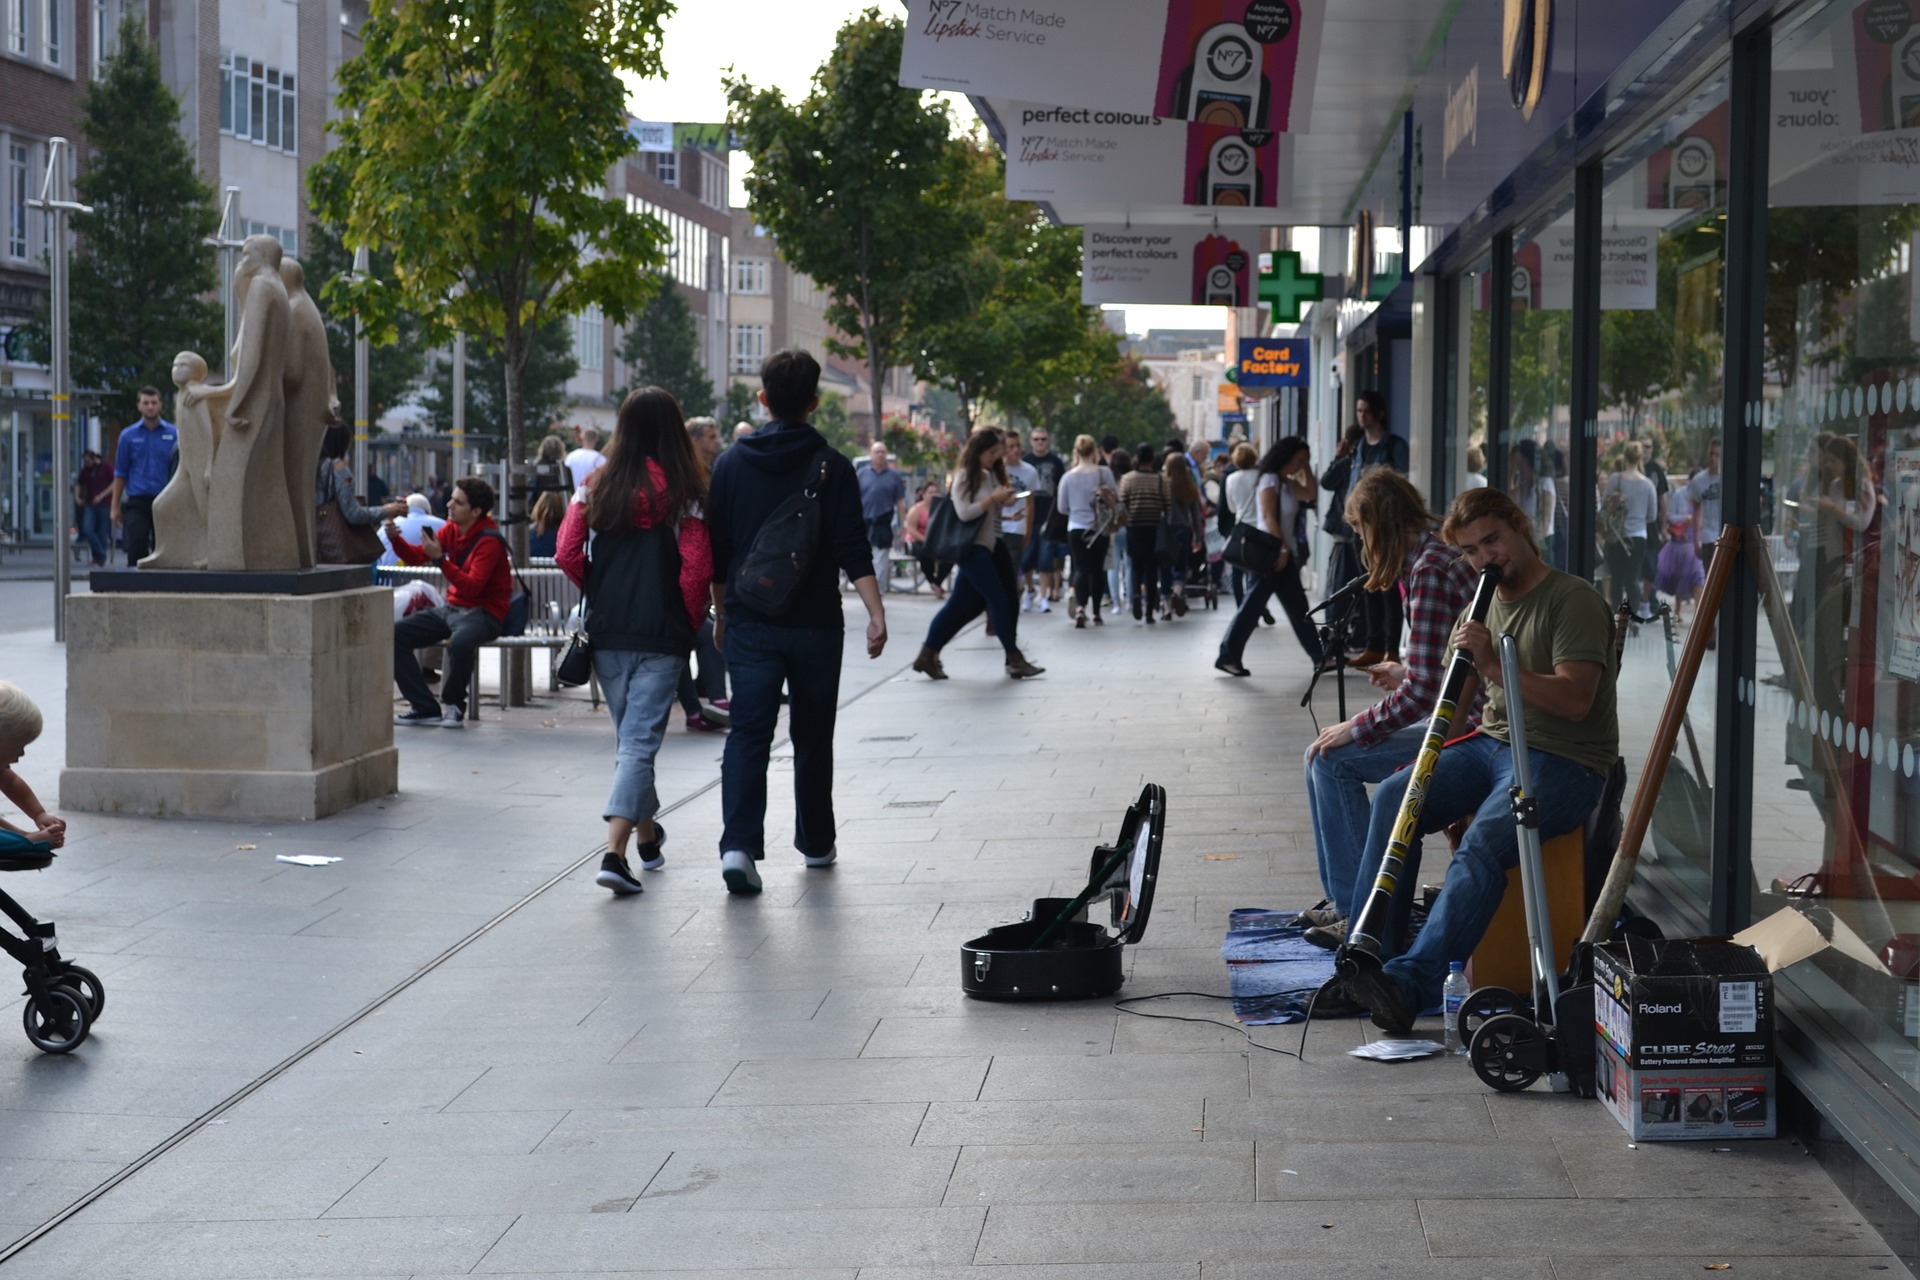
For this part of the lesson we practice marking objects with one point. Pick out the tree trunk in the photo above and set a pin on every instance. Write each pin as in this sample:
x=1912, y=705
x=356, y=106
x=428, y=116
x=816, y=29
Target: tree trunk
x=516, y=667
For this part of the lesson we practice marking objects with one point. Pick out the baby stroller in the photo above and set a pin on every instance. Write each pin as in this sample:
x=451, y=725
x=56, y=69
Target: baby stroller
x=63, y=999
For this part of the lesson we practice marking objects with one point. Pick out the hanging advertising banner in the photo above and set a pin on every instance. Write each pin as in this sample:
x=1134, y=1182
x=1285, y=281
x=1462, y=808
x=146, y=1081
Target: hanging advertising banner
x=1629, y=267
x=1243, y=64
x=1176, y=265
x=1900, y=565
x=1274, y=362
x=1076, y=155
x=663, y=136
x=1847, y=130
x=651, y=135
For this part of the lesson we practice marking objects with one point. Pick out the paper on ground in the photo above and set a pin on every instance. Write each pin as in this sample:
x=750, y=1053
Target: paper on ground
x=1397, y=1050
x=305, y=859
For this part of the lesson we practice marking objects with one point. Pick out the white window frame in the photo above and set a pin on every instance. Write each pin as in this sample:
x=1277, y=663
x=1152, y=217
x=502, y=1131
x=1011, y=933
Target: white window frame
x=666, y=167
x=747, y=348
x=19, y=190
x=713, y=181
x=258, y=103
x=589, y=338
x=750, y=276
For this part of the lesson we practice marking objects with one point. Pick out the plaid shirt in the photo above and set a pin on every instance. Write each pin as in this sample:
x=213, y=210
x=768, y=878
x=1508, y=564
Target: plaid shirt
x=1439, y=587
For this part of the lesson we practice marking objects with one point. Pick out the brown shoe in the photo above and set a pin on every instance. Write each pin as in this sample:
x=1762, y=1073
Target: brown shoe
x=1179, y=606
x=1019, y=668
x=1372, y=657
x=928, y=663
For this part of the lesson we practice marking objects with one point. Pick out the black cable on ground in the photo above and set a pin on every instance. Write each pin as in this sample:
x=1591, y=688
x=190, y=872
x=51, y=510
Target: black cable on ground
x=1123, y=1007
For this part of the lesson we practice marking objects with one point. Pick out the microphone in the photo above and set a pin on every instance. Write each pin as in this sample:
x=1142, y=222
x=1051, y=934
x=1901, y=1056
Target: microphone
x=1354, y=586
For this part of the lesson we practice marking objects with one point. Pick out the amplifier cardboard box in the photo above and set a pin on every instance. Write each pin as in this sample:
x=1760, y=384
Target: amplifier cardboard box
x=1676, y=1104
x=1685, y=1003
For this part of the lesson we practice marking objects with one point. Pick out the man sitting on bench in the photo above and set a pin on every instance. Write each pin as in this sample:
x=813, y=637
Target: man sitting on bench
x=1565, y=636
x=471, y=554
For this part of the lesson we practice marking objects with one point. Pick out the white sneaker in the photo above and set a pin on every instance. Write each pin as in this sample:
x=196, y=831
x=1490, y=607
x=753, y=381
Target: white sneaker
x=453, y=717
x=1026, y=603
x=824, y=860
x=1046, y=605
x=737, y=869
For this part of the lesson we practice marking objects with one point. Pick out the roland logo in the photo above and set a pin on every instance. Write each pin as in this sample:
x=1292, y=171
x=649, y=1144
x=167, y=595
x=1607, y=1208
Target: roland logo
x=1662, y=1008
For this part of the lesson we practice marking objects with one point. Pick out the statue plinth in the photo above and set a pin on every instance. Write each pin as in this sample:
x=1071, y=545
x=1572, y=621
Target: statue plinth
x=271, y=706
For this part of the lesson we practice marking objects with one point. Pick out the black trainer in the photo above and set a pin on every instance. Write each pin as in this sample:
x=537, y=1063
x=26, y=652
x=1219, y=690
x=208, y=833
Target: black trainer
x=615, y=875
x=1384, y=998
x=1332, y=1001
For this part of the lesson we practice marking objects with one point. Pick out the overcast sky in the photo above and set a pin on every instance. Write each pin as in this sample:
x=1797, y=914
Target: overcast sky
x=778, y=44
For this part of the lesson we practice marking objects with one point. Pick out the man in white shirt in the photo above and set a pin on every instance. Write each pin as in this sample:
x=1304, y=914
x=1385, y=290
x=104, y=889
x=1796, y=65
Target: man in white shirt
x=1016, y=519
x=587, y=459
x=419, y=518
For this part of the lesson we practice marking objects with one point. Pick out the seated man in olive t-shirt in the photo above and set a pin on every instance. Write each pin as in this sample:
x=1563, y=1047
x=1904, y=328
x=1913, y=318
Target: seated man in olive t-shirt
x=1564, y=633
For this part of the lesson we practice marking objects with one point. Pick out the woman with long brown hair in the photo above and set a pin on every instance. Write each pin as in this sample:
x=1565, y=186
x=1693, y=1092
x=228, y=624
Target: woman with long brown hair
x=634, y=541
x=1285, y=488
x=1400, y=545
x=1184, y=510
x=979, y=489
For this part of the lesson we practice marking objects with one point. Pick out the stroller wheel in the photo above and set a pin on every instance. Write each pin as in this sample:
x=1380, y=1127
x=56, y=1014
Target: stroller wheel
x=1505, y=1050
x=1486, y=1002
x=86, y=984
x=56, y=1020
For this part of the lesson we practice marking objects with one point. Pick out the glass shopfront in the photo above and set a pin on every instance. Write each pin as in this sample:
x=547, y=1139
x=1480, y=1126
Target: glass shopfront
x=1540, y=373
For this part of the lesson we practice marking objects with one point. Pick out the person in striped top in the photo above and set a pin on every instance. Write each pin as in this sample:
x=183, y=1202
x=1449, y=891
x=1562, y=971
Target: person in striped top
x=1144, y=494
x=1402, y=551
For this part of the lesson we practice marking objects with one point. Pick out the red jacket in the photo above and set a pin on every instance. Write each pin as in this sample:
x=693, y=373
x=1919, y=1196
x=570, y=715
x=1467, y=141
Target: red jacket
x=696, y=556
x=475, y=565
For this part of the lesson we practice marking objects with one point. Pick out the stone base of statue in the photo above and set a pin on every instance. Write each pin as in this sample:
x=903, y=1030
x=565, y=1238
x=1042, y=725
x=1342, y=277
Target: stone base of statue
x=269, y=706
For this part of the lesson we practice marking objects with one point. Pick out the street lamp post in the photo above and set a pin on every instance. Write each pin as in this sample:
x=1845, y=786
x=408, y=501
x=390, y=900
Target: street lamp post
x=56, y=199
x=459, y=405
x=361, y=357
x=229, y=241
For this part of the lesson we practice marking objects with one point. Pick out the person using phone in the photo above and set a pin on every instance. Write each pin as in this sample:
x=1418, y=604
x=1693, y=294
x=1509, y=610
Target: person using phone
x=980, y=491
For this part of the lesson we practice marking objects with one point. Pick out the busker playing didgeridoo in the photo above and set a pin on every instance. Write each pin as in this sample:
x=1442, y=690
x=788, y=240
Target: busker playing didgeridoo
x=1564, y=632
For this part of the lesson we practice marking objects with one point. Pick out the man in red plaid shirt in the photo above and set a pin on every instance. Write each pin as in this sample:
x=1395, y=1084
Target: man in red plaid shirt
x=1401, y=548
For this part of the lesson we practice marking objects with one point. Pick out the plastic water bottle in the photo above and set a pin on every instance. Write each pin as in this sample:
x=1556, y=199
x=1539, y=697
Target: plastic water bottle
x=1452, y=995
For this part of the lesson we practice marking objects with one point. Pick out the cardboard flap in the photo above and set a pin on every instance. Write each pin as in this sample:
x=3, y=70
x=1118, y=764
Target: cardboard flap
x=1784, y=938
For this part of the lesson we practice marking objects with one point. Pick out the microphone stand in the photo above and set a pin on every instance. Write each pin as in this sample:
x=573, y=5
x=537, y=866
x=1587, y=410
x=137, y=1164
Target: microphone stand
x=1335, y=635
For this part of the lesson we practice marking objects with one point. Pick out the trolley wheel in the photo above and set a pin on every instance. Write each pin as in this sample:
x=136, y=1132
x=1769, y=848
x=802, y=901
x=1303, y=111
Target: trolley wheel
x=1501, y=1049
x=1483, y=1003
x=86, y=984
x=56, y=1020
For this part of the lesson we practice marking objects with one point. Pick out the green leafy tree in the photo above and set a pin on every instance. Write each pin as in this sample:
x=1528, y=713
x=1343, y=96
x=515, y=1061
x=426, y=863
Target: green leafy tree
x=1004, y=316
x=850, y=181
x=663, y=346
x=1127, y=405
x=543, y=391
x=741, y=403
x=831, y=421
x=474, y=142
x=395, y=366
x=143, y=281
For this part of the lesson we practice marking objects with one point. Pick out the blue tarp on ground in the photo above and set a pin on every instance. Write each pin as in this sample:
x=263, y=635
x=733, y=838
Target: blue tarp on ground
x=1271, y=970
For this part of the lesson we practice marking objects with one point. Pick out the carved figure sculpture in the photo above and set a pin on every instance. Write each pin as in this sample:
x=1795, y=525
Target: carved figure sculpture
x=250, y=519
x=180, y=512
x=312, y=404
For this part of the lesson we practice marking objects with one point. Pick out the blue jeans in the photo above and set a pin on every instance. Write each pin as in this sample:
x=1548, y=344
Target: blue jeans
x=639, y=689
x=96, y=526
x=761, y=658
x=1337, y=800
x=1471, y=777
x=981, y=586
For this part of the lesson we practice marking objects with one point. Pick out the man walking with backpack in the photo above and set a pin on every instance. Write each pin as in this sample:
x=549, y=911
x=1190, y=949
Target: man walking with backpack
x=783, y=511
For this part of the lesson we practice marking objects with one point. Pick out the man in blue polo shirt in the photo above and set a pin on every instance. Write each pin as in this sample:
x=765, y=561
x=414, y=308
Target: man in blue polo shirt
x=141, y=466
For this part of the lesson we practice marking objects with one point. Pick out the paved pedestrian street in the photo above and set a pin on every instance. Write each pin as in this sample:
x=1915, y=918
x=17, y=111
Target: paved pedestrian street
x=450, y=1053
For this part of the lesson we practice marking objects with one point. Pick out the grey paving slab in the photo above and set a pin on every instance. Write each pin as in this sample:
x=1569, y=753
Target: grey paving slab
x=1757, y=1226
x=250, y=1250
x=1538, y=1113
x=292, y=1136
x=1102, y=1271
x=1104, y=1173
x=668, y=1237
x=1321, y=1170
x=1078, y=1120
x=668, y=1084
x=1794, y=1267
x=203, y=1190
x=858, y=1080
x=694, y=1039
x=1364, y=1268
x=560, y=1182
x=1209, y=1232
x=32, y=1191
x=1137, y=1075
x=1088, y=1033
x=361, y=1091
x=1608, y=1165
x=1370, y=1118
x=839, y=1177
x=861, y=1125
x=65, y=1135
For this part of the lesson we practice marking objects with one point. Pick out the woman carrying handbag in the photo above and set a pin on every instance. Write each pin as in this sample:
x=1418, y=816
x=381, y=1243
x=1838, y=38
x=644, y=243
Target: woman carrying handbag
x=1286, y=485
x=635, y=543
x=977, y=492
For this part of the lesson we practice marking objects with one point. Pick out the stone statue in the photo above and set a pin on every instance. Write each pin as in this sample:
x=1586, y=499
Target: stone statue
x=250, y=518
x=180, y=512
x=312, y=404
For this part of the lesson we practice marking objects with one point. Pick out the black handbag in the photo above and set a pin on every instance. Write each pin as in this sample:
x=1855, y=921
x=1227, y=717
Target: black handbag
x=1252, y=548
x=1173, y=538
x=948, y=536
x=574, y=666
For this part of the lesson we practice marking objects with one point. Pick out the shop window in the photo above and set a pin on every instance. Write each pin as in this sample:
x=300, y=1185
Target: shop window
x=1539, y=375
x=1658, y=446
x=1836, y=706
x=1466, y=373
